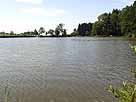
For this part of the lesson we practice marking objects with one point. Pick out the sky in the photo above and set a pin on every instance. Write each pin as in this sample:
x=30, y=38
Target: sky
x=26, y=15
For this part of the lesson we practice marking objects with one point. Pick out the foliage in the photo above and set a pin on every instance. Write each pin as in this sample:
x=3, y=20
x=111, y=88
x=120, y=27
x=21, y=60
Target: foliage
x=64, y=33
x=84, y=29
x=41, y=30
x=133, y=48
x=128, y=19
x=75, y=32
x=126, y=93
x=60, y=30
x=51, y=31
x=117, y=23
x=35, y=32
x=97, y=28
x=107, y=24
x=12, y=33
x=57, y=32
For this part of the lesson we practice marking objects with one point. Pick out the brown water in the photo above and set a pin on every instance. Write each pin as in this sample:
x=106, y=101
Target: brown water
x=63, y=69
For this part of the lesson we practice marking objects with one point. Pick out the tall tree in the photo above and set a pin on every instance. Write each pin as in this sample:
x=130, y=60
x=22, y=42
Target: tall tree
x=106, y=22
x=60, y=29
x=97, y=29
x=115, y=22
x=128, y=20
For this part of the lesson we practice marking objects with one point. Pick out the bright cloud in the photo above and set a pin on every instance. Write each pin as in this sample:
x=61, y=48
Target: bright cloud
x=30, y=1
x=42, y=12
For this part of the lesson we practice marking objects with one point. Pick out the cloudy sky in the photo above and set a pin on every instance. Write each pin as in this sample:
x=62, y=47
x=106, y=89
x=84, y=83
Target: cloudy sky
x=26, y=15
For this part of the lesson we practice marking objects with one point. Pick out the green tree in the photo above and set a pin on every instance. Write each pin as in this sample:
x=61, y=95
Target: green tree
x=97, y=28
x=104, y=19
x=60, y=29
x=35, y=32
x=128, y=20
x=115, y=22
x=12, y=33
x=64, y=33
x=51, y=31
x=57, y=32
x=75, y=32
x=84, y=29
x=41, y=30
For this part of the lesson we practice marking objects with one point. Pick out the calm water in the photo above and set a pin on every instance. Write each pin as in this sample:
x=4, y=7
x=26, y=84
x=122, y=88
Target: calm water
x=63, y=69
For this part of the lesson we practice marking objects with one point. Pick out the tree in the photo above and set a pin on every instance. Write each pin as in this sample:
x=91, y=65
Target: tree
x=90, y=29
x=60, y=29
x=35, y=32
x=98, y=29
x=64, y=33
x=84, y=29
x=12, y=33
x=106, y=22
x=75, y=32
x=115, y=22
x=79, y=30
x=51, y=31
x=41, y=30
x=57, y=32
x=128, y=20
x=28, y=33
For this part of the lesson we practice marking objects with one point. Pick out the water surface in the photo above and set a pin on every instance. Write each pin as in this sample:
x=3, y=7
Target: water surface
x=63, y=69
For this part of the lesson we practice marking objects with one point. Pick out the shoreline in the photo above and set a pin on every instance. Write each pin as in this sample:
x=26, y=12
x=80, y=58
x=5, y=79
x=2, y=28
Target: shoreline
x=120, y=37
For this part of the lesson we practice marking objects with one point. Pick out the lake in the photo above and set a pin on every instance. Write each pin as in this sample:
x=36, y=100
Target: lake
x=63, y=69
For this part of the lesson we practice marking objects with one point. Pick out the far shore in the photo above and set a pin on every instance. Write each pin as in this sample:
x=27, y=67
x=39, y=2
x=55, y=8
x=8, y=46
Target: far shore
x=16, y=36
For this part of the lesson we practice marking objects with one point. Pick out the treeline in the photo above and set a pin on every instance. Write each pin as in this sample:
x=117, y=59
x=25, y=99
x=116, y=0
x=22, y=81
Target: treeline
x=116, y=23
x=59, y=31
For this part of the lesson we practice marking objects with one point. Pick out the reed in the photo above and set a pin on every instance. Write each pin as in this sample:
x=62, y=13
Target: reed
x=6, y=95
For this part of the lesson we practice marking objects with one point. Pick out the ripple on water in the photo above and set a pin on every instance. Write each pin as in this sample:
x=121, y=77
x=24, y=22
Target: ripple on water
x=63, y=69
